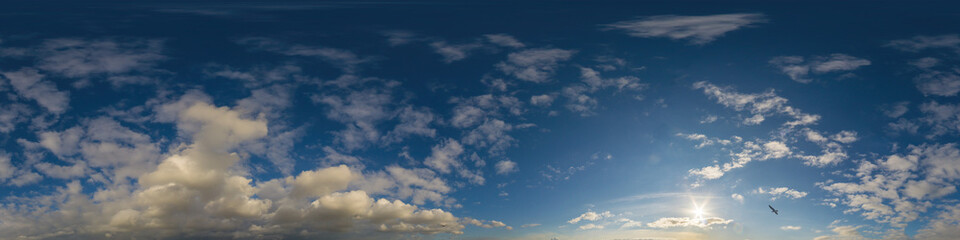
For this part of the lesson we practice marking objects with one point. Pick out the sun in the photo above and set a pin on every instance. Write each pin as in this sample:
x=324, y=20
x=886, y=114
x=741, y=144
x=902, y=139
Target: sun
x=698, y=209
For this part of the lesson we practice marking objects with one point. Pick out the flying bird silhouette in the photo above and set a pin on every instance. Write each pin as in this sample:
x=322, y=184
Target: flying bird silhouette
x=774, y=210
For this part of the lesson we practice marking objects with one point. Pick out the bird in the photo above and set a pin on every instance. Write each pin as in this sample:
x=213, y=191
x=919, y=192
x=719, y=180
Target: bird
x=774, y=210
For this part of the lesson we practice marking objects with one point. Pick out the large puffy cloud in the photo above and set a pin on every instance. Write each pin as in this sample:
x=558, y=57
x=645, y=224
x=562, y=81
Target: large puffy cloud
x=200, y=190
x=896, y=188
x=695, y=29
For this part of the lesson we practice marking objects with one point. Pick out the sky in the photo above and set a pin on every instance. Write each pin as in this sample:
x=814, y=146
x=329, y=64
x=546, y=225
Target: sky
x=479, y=120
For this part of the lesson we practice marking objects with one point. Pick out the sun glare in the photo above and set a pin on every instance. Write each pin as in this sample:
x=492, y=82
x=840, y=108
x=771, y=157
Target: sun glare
x=698, y=209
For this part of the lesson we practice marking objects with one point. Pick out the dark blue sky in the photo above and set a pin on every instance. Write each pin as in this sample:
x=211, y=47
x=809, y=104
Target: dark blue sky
x=479, y=120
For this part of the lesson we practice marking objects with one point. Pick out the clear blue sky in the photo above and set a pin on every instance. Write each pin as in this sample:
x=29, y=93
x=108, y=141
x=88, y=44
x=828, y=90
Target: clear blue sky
x=479, y=120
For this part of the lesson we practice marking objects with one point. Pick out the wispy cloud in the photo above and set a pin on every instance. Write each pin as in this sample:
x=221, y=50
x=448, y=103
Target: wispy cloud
x=697, y=30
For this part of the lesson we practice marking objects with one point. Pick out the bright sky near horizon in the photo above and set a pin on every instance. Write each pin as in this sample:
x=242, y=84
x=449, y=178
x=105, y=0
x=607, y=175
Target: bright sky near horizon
x=479, y=120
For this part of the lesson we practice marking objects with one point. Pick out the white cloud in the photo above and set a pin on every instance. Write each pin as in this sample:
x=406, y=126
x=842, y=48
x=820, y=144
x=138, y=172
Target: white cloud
x=506, y=166
x=939, y=83
x=781, y=192
x=896, y=110
x=534, y=65
x=201, y=182
x=453, y=52
x=918, y=43
x=30, y=84
x=590, y=226
x=845, y=137
x=444, y=156
x=737, y=197
x=671, y=222
x=543, y=100
x=485, y=224
x=696, y=29
x=504, y=40
x=400, y=37
x=790, y=228
x=708, y=172
x=799, y=69
x=763, y=104
x=343, y=59
x=590, y=216
x=579, y=95
x=111, y=59
x=897, y=188
x=709, y=119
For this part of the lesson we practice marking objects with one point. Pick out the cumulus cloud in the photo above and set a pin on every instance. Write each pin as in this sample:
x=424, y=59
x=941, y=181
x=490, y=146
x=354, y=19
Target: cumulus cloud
x=896, y=188
x=799, y=68
x=737, y=197
x=200, y=185
x=506, y=166
x=697, y=30
x=671, y=222
x=534, y=65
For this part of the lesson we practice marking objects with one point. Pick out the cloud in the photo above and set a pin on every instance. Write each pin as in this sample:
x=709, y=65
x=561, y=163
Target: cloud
x=111, y=59
x=579, y=95
x=504, y=40
x=737, y=197
x=590, y=216
x=790, y=228
x=30, y=84
x=697, y=30
x=400, y=37
x=530, y=225
x=781, y=192
x=799, y=70
x=199, y=183
x=938, y=83
x=897, y=188
x=919, y=43
x=344, y=59
x=534, y=65
x=452, y=53
x=671, y=222
x=590, y=226
x=506, y=166
x=896, y=110
x=485, y=224
x=544, y=100
x=758, y=104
